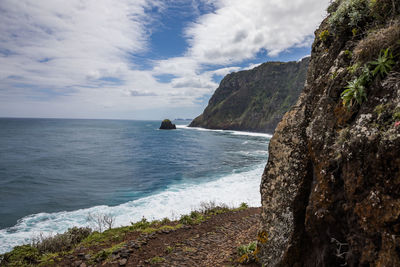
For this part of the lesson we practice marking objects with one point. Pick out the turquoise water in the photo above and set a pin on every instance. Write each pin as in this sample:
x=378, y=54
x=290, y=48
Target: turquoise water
x=54, y=172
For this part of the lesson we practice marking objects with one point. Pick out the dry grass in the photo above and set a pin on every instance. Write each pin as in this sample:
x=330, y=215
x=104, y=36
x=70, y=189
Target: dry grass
x=370, y=47
x=381, y=9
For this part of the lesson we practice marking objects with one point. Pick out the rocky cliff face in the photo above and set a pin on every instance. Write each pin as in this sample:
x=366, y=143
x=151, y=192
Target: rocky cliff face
x=331, y=187
x=254, y=100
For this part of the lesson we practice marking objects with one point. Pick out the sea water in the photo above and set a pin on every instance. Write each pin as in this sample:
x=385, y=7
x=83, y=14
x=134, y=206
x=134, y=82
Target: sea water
x=55, y=172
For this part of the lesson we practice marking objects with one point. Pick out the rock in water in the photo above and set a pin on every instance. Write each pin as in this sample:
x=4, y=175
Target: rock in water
x=167, y=125
x=331, y=189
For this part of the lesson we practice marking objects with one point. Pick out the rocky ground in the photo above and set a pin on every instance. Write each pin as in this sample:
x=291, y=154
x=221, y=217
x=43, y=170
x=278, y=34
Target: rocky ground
x=213, y=242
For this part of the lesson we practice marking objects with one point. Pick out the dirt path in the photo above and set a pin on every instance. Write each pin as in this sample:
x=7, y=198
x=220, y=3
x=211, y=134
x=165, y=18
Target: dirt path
x=213, y=242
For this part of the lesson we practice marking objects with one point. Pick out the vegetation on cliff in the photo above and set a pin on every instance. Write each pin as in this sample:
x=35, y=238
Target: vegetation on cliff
x=254, y=100
x=330, y=191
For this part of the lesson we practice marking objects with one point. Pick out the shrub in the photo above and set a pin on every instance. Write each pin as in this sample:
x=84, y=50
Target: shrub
x=384, y=63
x=324, y=35
x=194, y=218
x=353, y=13
x=333, y=7
x=211, y=208
x=60, y=242
x=243, y=206
x=165, y=221
x=141, y=225
x=101, y=221
x=21, y=256
x=247, y=253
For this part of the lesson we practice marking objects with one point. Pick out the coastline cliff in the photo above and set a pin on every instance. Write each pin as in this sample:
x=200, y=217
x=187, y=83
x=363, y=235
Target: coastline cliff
x=331, y=187
x=254, y=100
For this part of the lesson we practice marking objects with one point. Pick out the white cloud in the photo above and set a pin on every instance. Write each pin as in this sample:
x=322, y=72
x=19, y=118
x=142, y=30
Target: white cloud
x=77, y=57
x=238, y=29
x=60, y=43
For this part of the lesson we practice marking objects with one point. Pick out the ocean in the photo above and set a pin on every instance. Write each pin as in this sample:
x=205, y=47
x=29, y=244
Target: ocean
x=55, y=172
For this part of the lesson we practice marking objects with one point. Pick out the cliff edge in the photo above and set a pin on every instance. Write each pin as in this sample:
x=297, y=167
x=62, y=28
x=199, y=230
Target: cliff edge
x=331, y=187
x=254, y=100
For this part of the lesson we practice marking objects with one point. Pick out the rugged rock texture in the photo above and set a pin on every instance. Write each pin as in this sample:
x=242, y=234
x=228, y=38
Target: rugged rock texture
x=167, y=125
x=254, y=100
x=331, y=187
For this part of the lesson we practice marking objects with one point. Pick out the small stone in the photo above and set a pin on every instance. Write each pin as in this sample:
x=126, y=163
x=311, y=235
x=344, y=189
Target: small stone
x=82, y=265
x=122, y=262
x=77, y=263
x=124, y=255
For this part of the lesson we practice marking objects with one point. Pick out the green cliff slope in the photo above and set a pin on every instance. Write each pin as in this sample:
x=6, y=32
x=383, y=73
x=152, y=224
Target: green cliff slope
x=254, y=100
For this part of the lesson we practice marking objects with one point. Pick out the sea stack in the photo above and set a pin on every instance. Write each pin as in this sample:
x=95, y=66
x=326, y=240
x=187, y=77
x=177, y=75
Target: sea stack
x=167, y=125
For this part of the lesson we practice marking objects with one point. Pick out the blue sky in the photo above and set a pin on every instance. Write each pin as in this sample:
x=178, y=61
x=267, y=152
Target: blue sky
x=139, y=59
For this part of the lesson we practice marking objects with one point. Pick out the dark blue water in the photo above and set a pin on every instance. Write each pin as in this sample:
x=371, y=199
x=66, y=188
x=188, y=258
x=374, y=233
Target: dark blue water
x=54, y=165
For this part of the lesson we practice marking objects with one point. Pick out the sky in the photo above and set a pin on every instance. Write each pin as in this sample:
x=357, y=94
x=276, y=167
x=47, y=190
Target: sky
x=139, y=59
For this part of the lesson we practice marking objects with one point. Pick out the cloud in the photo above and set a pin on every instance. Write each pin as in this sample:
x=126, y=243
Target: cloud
x=62, y=43
x=142, y=93
x=238, y=29
x=77, y=57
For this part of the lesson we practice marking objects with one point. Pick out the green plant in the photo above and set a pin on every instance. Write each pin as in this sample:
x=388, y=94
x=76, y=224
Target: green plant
x=348, y=53
x=194, y=218
x=323, y=36
x=396, y=116
x=247, y=253
x=156, y=260
x=140, y=225
x=353, y=68
x=355, y=90
x=165, y=221
x=243, y=206
x=333, y=75
x=379, y=109
x=21, y=256
x=384, y=63
x=169, y=249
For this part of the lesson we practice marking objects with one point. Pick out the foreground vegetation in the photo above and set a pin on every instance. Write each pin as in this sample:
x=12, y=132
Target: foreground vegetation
x=47, y=251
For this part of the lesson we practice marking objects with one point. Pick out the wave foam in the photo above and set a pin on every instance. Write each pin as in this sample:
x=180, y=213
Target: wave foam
x=232, y=190
x=226, y=131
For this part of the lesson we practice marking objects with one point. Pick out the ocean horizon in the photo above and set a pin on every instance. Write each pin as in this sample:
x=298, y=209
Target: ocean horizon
x=55, y=172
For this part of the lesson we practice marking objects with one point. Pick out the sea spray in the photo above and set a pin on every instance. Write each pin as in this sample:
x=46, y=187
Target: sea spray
x=232, y=190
